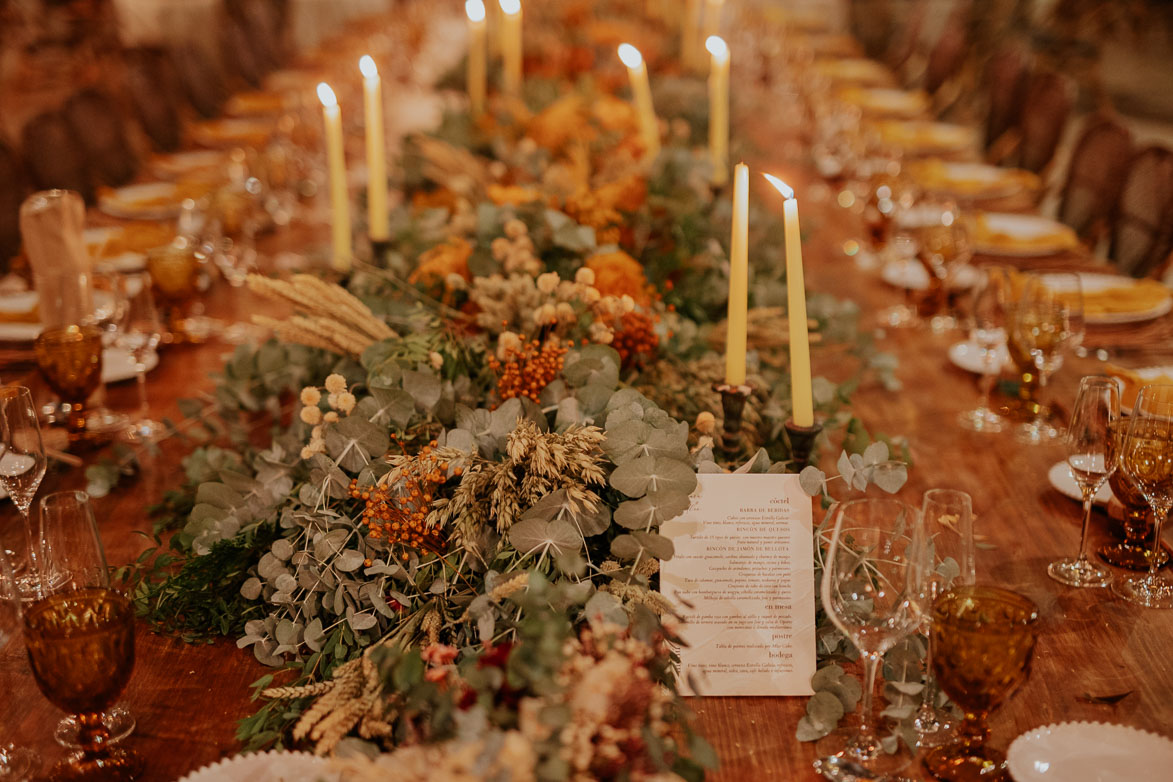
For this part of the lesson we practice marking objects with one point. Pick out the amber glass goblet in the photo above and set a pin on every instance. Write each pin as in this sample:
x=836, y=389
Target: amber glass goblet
x=70, y=359
x=983, y=641
x=1131, y=553
x=174, y=270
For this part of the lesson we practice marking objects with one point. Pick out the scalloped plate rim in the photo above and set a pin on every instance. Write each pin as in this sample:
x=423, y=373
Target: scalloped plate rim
x=1023, y=773
x=207, y=770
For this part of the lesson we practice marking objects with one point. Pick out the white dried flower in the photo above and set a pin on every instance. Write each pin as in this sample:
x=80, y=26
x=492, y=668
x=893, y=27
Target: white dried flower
x=310, y=396
x=515, y=228
x=344, y=402
x=601, y=333
x=508, y=341
x=548, y=282
x=335, y=383
x=627, y=302
x=500, y=248
x=545, y=315
x=584, y=276
x=566, y=313
x=706, y=422
x=330, y=417
x=311, y=415
x=436, y=360
x=591, y=295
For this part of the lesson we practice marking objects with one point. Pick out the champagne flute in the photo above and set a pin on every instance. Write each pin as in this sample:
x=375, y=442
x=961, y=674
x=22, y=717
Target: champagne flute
x=873, y=576
x=948, y=522
x=22, y=467
x=1048, y=319
x=79, y=634
x=990, y=307
x=70, y=360
x=139, y=333
x=1147, y=457
x=1089, y=452
x=15, y=763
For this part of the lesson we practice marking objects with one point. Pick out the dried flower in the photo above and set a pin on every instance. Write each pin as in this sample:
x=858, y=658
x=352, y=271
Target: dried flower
x=548, y=282
x=585, y=276
x=515, y=228
x=335, y=383
x=435, y=360
x=311, y=415
x=343, y=402
x=330, y=417
x=310, y=396
x=706, y=422
x=527, y=370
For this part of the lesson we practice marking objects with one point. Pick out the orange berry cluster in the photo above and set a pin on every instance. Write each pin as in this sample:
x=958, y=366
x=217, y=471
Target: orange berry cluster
x=398, y=513
x=526, y=370
x=636, y=339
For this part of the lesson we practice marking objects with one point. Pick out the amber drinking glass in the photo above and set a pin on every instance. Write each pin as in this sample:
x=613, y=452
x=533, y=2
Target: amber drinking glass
x=79, y=634
x=70, y=359
x=983, y=641
x=174, y=270
x=1132, y=552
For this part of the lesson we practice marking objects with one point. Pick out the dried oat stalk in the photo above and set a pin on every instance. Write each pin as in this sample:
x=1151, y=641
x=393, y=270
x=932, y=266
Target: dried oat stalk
x=327, y=316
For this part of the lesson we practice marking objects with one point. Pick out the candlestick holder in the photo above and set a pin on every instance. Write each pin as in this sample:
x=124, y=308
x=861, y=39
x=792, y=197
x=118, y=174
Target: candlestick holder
x=802, y=441
x=733, y=399
x=380, y=252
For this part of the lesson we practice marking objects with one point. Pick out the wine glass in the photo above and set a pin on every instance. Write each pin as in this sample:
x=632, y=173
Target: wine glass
x=873, y=576
x=15, y=763
x=1132, y=552
x=1089, y=452
x=991, y=302
x=1048, y=319
x=139, y=333
x=79, y=634
x=22, y=467
x=234, y=215
x=948, y=521
x=70, y=360
x=983, y=642
x=944, y=251
x=1147, y=457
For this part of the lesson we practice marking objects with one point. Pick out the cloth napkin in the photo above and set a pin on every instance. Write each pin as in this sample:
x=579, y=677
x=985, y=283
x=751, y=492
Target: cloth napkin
x=52, y=223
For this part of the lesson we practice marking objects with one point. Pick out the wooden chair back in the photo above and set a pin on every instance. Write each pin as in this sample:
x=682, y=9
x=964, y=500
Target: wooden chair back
x=1142, y=236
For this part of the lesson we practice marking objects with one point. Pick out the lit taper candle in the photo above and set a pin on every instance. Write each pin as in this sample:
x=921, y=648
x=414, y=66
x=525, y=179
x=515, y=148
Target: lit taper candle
x=719, y=108
x=641, y=92
x=511, y=46
x=801, y=396
x=690, y=34
x=735, y=335
x=372, y=87
x=336, y=166
x=477, y=55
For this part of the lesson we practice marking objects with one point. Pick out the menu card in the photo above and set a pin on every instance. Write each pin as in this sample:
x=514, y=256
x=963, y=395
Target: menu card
x=743, y=578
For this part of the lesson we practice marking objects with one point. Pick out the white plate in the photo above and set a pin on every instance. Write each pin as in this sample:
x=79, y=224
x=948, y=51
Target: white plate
x=1090, y=283
x=27, y=332
x=1089, y=752
x=1060, y=478
x=118, y=364
x=180, y=163
x=911, y=275
x=920, y=138
x=95, y=238
x=968, y=356
x=123, y=202
x=1149, y=375
x=1028, y=228
x=958, y=177
x=888, y=102
x=267, y=767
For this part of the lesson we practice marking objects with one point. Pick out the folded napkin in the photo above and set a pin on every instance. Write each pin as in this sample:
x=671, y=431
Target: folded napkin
x=51, y=224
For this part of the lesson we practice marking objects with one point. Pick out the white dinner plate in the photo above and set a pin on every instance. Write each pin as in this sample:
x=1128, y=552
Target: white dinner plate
x=920, y=138
x=1060, y=478
x=911, y=275
x=1089, y=752
x=1092, y=283
x=95, y=238
x=968, y=356
x=888, y=102
x=118, y=364
x=974, y=181
x=1038, y=236
x=277, y=766
x=180, y=163
x=139, y=202
x=27, y=332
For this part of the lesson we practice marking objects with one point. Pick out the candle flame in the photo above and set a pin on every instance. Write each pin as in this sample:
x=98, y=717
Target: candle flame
x=510, y=7
x=326, y=95
x=368, y=67
x=630, y=55
x=786, y=190
x=475, y=10
x=717, y=47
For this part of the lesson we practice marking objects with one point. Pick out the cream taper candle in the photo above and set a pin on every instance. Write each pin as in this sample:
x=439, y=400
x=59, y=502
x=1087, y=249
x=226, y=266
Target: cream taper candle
x=511, y=46
x=336, y=166
x=477, y=55
x=735, y=335
x=377, y=218
x=719, y=108
x=641, y=92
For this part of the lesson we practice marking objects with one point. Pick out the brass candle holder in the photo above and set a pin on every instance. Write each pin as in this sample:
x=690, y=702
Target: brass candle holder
x=802, y=441
x=733, y=399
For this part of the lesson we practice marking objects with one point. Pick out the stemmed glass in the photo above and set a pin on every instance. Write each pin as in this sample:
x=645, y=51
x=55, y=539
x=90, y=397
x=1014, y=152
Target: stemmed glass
x=948, y=520
x=988, y=333
x=15, y=763
x=983, y=642
x=70, y=360
x=1048, y=319
x=873, y=576
x=22, y=467
x=139, y=333
x=1089, y=452
x=1147, y=458
x=79, y=633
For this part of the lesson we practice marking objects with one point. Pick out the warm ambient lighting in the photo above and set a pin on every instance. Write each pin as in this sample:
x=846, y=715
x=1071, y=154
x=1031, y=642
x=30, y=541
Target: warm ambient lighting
x=368, y=67
x=476, y=10
x=511, y=7
x=783, y=188
x=717, y=47
x=630, y=55
x=326, y=95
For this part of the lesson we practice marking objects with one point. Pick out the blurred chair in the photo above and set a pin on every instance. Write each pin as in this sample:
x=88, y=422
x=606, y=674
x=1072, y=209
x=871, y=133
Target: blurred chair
x=155, y=91
x=240, y=51
x=100, y=129
x=1142, y=238
x=53, y=156
x=13, y=189
x=202, y=79
x=1047, y=106
x=1006, y=77
x=903, y=45
x=872, y=25
x=949, y=52
x=1095, y=177
x=263, y=21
